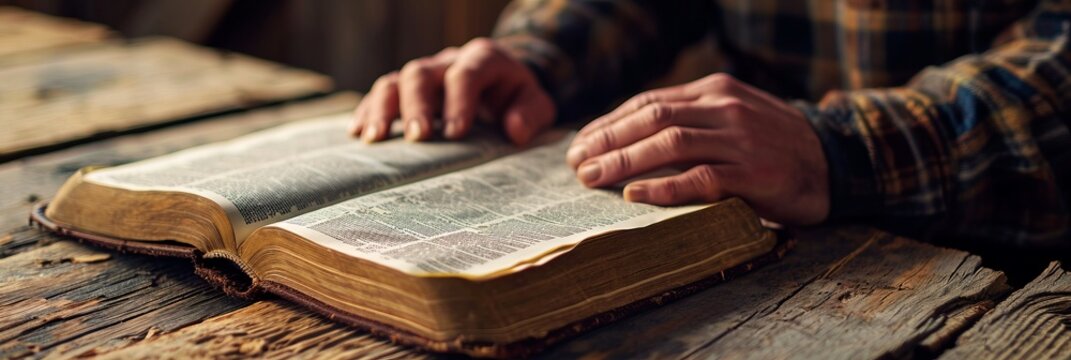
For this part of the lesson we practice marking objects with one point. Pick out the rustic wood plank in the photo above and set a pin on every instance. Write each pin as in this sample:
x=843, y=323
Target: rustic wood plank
x=38, y=177
x=855, y=293
x=24, y=31
x=59, y=298
x=52, y=301
x=190, y=20
x=1033, y=323
x=267, y=329
x=54, y=98
x=850, y=295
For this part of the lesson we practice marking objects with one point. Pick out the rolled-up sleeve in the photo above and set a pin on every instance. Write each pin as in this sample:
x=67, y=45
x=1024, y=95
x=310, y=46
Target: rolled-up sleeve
x=978, y=148
x=589, y=53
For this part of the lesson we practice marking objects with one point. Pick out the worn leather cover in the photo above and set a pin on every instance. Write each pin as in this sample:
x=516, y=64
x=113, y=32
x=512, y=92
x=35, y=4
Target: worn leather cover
x=238, y=284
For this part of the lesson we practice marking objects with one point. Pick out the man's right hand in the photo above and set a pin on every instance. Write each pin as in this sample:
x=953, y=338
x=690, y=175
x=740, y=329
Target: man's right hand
x=457, y=84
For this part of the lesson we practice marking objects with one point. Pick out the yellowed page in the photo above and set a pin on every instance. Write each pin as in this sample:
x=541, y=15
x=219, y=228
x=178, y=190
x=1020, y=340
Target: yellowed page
x=278, y=173
x=478, y=222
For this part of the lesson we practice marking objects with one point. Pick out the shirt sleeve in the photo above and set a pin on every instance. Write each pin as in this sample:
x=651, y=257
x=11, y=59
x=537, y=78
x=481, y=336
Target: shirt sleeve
x=589, y=53
x=977, y=149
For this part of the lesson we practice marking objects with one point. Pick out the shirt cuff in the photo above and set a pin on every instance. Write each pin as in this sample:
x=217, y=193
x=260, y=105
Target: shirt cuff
x=854, y=185
x=553, y=70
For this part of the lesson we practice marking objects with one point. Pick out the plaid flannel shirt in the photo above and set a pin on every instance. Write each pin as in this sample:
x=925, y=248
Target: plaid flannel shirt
x=938, y=117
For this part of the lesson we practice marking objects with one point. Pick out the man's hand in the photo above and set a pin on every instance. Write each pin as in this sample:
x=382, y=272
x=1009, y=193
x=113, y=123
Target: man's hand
x=733, y=139
x=456, y=85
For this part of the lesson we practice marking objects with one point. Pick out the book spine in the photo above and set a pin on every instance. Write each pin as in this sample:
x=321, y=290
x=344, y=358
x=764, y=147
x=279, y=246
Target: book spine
x=228, y=273
x=222, y=270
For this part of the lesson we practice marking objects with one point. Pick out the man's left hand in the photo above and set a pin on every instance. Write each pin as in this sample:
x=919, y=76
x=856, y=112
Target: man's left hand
x=733, y=139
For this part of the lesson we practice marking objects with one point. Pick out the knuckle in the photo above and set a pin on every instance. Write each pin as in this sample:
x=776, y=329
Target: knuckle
x=642, y=99
x=621, y=162
x=459, y=73
x=603, y=139
x=659, y=113
x=721, y=82
x=706, y=175
x=676, y=137
x=705, y=179
x=387, y=80
x=721, y=78
x=733, y=105
x=480, y=44
x=733, y=110
x=417, y=67
x=671, y=190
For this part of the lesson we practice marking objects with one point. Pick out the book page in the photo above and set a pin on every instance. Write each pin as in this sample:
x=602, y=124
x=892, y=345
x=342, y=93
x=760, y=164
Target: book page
x=274, y=174
x=479, y=221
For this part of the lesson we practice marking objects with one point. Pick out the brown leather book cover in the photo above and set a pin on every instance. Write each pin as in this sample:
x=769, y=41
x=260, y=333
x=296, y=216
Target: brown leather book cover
x=231, y=279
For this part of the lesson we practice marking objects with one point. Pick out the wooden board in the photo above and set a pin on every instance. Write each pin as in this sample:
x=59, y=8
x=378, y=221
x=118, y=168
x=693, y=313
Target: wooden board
x=842, y=293
x=1033, y=323
x=859, y=291
x=269, y=329
x=58, y=97
x=24, y=31
x=853, y=293
x=64, y=296
x=59, y=297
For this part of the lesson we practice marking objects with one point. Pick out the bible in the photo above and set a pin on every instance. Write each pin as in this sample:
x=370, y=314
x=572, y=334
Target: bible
x=474, y=247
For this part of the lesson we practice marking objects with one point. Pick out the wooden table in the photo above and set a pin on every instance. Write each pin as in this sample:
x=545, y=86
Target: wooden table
x=849, y=292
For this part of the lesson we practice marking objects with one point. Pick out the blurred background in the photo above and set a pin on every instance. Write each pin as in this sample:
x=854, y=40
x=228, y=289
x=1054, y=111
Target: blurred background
x=352, y=41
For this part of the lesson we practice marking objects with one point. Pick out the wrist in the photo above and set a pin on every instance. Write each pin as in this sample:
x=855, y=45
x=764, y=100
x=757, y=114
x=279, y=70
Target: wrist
x=853, y=186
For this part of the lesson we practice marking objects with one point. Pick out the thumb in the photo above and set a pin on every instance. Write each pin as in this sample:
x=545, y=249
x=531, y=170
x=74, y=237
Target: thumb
x=530, y=112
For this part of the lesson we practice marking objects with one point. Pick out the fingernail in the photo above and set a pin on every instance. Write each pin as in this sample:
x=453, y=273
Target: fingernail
x=635, y=193
x=576, y=154
x=451, y=129
x=370, y=133
x=413, y=130
x=590, y=172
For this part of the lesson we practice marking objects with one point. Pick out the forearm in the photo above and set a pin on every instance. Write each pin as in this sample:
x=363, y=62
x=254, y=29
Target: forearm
x=975, y=148
x=589, y=53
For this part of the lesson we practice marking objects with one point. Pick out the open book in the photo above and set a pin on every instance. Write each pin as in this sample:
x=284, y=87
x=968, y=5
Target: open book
x=474, y=247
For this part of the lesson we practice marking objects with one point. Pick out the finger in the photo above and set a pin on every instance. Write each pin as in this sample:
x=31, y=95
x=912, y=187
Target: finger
x=703, y=183
x=478, y=65
x=674, y=93
x=530, y=113
x=668, y=147
x=419, y=85
x=378, y=109
x=647, y=121
x=357, y=122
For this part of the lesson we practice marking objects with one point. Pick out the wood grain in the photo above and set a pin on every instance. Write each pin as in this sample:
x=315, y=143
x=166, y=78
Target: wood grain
x=266, y=329
x=38, y=177
x=59, y=298
x=58, y=97
x=1033, y=323
x=54, y=304
x=852, y=293
x=25, y=31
